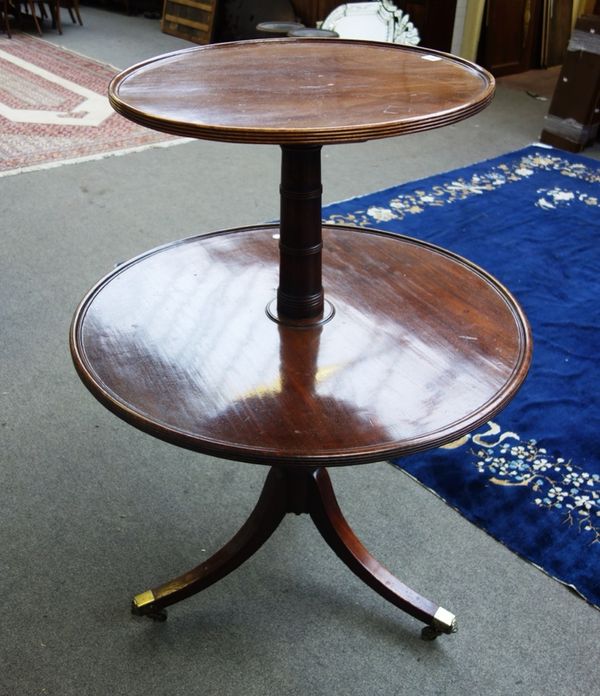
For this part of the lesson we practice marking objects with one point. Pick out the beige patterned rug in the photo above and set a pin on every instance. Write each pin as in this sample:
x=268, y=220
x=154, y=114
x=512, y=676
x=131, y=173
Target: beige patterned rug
x=54, y=109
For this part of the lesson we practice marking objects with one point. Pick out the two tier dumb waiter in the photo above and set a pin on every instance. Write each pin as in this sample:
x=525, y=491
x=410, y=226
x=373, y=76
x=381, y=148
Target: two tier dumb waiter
x=301, y=346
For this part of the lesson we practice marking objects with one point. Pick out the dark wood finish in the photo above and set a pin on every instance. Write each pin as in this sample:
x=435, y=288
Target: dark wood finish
x=5, y=10
x=330, y=522
x=178, y=343
x=29, y=18
x=264, y=520
x=286, y=491
x=239, y=344
x=524, y=34
x=192, y=20
x=72, y=6
x=237, y=20
x=574, y=114
x=434, y=19
x=557, y=30
x=312, y=91
x=313, y=11
x=511, y=36
x=300, y=292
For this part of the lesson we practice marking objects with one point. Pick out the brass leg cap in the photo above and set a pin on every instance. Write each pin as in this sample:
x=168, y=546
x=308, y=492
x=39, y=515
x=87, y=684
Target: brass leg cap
x=143, y=605
x=444, y=621
x=142, y=600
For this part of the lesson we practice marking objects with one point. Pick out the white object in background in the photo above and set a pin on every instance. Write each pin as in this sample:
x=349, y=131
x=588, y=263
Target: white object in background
x=373, y=21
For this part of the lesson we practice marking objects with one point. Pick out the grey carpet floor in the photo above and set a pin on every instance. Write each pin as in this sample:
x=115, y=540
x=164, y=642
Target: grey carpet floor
x=92, y=511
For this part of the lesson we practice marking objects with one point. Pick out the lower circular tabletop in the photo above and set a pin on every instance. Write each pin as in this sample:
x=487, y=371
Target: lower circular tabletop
x=417, y=347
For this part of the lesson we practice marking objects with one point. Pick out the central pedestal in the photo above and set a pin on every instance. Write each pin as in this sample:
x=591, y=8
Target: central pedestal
x=300, y=294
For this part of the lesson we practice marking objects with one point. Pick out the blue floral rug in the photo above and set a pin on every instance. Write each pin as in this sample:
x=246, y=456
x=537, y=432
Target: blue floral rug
x=530, y=478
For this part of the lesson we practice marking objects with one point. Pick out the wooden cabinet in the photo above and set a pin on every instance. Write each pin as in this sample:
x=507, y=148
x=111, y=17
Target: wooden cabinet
x=556, y=31
x=509, y=34
x=523, y=34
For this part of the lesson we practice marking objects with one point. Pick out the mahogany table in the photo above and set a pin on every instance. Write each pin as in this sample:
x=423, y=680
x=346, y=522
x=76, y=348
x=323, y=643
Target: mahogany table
x=297, y=345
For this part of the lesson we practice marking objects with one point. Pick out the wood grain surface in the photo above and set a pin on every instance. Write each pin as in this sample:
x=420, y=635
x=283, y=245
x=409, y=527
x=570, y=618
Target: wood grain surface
x=308, y=91
x=422, y=348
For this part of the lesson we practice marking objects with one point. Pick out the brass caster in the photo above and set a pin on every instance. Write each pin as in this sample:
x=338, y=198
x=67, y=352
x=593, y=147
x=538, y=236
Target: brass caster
x=154, y=613
x=430, y=633
x=159, y=615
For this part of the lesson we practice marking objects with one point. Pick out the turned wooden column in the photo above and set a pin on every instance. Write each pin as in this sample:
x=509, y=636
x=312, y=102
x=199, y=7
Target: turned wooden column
x=300, y=292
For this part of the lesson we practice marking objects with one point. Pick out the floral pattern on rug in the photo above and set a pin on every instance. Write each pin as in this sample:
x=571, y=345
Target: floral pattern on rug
x=459, y=189
x=531, y=477
x=555, y=483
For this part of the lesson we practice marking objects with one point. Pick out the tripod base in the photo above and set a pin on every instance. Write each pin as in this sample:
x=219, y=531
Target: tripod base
x=297, y=491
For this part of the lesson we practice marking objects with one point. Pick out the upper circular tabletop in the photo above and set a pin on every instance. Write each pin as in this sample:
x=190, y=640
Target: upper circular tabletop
x=300, y=91
x=178, y=343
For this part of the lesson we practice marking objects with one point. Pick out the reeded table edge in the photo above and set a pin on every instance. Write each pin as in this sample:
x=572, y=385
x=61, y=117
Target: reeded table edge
x=342, y=457
x=302, y=136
